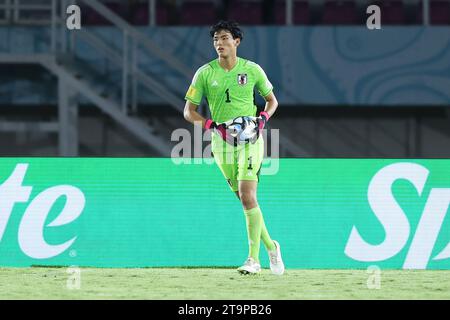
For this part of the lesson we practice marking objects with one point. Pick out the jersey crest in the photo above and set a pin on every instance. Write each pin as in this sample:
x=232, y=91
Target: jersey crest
x=242, y=79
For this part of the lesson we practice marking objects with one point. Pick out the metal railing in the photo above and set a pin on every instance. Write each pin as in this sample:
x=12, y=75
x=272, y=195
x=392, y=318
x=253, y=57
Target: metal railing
x=25, y=12
x=126, y=58
x=39, y=12
x=75, y=75
x=426, y=12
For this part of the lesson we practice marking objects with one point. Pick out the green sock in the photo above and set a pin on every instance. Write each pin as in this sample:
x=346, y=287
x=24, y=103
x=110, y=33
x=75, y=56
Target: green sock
x=254, y=219
x=268, y=243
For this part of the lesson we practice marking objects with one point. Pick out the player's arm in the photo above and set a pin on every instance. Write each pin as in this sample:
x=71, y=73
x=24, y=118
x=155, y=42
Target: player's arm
x=269, y=110
x=193, y=98
x=265, y=89
x=271, y=104
x=191, y=114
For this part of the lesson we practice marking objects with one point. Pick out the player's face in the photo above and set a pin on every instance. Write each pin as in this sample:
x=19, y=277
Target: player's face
x=224, y=43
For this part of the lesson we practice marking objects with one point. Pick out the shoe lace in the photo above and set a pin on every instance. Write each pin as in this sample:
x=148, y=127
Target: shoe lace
x=273, y=258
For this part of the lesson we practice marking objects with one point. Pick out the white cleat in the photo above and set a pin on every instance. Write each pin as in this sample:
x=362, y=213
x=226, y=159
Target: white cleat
x=250, y=266
x=276, y=263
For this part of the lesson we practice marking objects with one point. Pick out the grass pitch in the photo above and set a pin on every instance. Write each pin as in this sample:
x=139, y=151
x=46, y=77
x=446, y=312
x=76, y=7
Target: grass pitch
x=211, y=284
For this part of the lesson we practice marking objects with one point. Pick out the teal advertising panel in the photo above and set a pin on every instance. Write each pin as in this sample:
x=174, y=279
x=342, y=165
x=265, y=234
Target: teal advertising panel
x=135, y=212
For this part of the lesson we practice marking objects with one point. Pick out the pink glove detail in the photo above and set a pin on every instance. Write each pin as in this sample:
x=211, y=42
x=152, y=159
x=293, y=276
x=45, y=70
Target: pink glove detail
x=221, y=129
x=208, y=124
x=263, y=118
x=265, y=114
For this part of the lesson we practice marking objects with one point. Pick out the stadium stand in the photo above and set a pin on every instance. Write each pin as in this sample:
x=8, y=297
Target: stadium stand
x=339, y=12
x=300, y=14
x=393, y=12
x=100, y=73
x=439, y=12
x=247, y=12
x=198, y=13
x=257, y=12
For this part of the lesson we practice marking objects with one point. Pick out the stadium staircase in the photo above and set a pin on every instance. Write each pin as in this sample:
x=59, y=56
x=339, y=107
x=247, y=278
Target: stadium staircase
x=114, y=94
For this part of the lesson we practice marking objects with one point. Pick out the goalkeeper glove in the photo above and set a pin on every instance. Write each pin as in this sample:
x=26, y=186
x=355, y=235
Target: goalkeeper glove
x=262, y=120
x=221, y=130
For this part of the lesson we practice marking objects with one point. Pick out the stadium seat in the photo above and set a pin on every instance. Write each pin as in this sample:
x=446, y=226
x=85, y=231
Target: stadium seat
x=245, y=12
x=340, y=12
x=198, y=13
x=137, y=14
x=91, y=17
x=140, y=15
x=440, y=12
x=300, y=14
x=392, y=12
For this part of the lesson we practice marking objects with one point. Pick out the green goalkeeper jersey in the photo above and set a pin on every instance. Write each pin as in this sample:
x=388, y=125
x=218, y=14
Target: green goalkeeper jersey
x=229, y=94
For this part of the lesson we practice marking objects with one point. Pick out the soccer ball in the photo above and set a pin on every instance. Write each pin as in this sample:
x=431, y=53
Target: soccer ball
x=244, y=129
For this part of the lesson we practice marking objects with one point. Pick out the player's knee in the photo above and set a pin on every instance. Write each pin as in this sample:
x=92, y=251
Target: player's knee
x=248, y=199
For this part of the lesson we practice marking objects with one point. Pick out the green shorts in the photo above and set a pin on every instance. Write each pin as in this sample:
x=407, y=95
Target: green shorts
x=241, y=162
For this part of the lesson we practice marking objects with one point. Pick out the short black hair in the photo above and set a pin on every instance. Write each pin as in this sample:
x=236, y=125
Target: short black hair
x=231, y=26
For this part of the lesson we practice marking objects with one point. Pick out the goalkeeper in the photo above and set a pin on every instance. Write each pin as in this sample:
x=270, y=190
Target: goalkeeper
x=228, y=84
